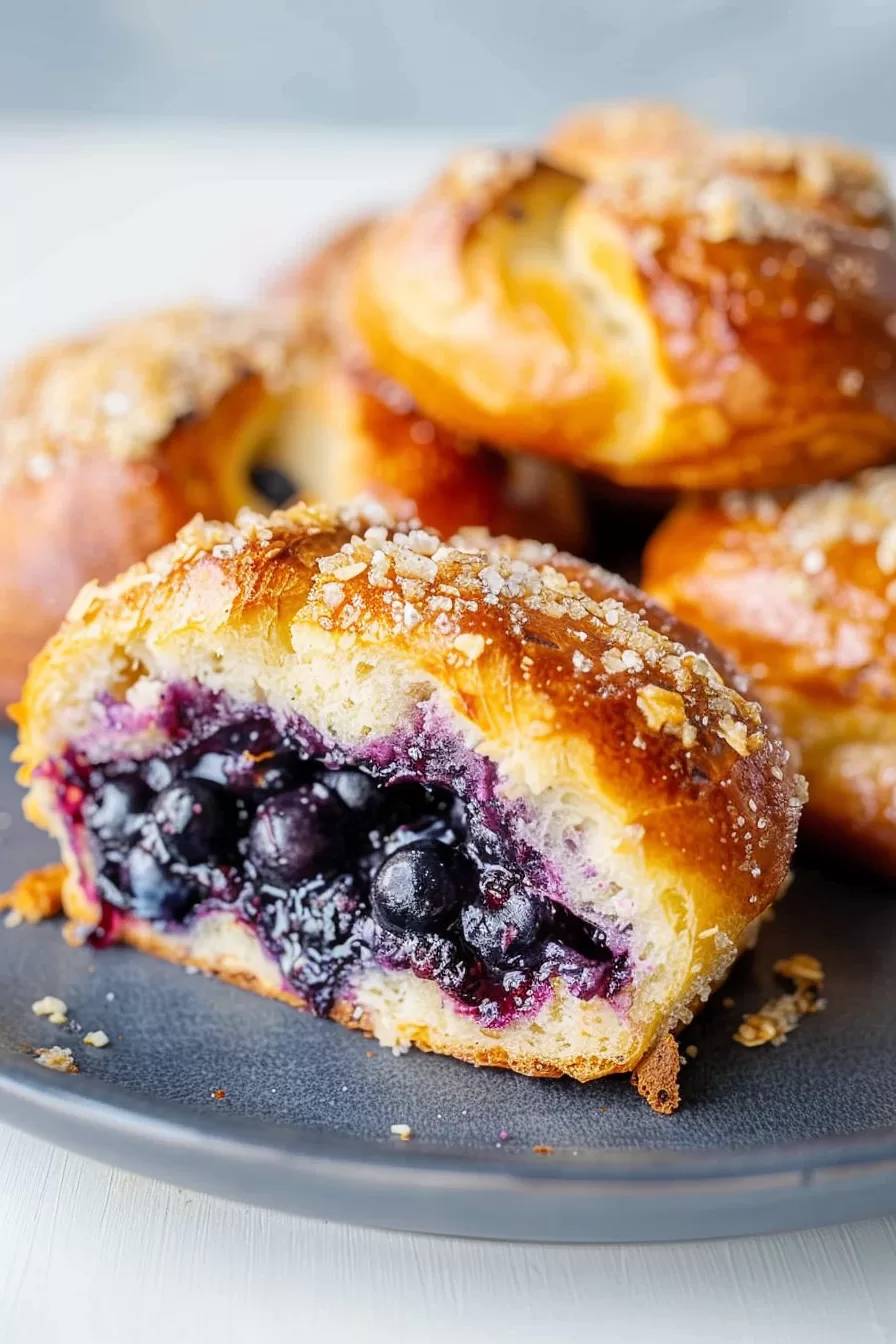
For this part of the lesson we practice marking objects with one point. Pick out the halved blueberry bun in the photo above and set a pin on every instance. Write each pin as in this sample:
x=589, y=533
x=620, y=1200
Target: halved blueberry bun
x=473, y=796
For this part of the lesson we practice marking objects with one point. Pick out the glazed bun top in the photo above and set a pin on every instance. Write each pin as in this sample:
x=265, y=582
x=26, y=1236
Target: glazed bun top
x=575, y=683
x=843, y=184
x=120, y=392
x=801, y=587
x=721, y=315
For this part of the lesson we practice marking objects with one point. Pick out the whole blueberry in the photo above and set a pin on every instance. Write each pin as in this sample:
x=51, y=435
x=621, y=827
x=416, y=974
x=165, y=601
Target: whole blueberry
x=156, y=891
x=296, y=834
x=118, y=809
x=192, y=819
x=502, y=933
x=416, y=889
x=357, y=789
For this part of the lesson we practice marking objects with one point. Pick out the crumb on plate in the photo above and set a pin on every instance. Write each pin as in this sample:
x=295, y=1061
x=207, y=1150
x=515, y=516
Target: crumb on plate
x=36, y=896
x=656, y=1076
x=56, y=1057
x=777, y=1018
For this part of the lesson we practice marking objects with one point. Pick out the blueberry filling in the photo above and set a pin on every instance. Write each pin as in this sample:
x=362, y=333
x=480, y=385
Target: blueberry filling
x=336, y=861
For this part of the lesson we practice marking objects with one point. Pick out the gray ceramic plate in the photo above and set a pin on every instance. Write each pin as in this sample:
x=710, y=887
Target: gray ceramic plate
x=766, y=1139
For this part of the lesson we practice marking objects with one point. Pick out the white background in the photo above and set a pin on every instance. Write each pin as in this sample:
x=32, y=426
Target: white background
x=97, y=223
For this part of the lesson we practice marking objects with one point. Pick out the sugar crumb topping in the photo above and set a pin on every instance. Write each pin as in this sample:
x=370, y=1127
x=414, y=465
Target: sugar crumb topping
x=424, y=581
x=122, y=391
x=814, y=521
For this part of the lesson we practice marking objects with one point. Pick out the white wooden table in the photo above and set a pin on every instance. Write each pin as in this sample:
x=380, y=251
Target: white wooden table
x=93, y=223
x=89, y=1255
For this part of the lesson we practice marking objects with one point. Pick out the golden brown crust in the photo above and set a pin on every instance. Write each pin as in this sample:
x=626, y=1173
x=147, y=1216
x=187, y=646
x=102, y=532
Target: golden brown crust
x=109, y=445
x=119, y=395
x=145, y=937
x=800, y=590
x=842, y=183
x=656, y=1077
x=381, y=444
x=37, y=895
x=710, y=320
x=595, y=140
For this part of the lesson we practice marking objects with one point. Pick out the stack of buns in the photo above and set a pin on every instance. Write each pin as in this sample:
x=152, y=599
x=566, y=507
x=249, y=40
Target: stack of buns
x=640, y=312
x=684, y=314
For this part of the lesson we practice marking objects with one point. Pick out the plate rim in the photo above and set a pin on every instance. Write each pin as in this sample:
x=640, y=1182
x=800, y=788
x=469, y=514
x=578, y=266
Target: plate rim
x=590, y=1197
x=109, y=1103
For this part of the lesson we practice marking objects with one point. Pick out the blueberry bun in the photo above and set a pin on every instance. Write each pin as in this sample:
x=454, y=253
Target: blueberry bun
x=473, y=796
x=699, y=314
x=801, y=588
x=353, y=430
x=110, y=443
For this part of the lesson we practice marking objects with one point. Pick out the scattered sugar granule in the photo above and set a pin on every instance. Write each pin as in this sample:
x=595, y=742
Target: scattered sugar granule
x=97, y=1039
x=56, y=1057
x=51, y=1007
x=403, y=1132
x=110, y=996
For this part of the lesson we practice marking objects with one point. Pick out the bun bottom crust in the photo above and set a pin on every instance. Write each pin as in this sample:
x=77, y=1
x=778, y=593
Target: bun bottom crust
x=233, y=955
x=226, y=966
